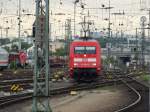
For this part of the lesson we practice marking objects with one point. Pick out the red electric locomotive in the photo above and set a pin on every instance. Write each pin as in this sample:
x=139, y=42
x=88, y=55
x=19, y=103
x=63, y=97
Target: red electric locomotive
x=85, y=59
x=19, y=58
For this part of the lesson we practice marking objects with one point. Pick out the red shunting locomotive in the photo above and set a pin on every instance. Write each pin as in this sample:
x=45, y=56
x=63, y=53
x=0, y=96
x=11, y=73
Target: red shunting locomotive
x=85, y=59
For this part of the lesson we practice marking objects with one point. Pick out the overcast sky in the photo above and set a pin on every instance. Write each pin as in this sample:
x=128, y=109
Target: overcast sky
x=8, y=9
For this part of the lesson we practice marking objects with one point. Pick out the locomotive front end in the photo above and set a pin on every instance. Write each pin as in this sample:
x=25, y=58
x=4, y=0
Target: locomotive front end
x=84, y=60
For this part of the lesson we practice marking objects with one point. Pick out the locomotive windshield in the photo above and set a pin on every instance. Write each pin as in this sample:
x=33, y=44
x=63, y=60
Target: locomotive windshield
x=85, y=50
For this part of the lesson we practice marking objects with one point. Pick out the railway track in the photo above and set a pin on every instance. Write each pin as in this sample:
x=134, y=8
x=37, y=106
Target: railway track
x=17, y=74
x=24, y=78
x=22, y=74
x=6, y=85
x=120, y=79
x=5, y=101
x=26, y=83
x=141, y=104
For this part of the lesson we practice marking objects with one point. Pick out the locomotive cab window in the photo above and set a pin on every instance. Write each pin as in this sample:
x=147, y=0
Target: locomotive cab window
x=90, y=50
x=85, y=50
x=79, y=50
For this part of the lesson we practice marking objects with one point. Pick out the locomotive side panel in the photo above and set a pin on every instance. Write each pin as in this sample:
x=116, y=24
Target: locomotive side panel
x=3, y=59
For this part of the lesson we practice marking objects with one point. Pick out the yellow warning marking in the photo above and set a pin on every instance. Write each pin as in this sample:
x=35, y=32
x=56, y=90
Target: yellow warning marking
x=16, y=87
x=13, y=86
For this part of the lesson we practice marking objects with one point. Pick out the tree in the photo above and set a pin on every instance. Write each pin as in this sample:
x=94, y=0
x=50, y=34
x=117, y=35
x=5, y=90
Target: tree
x=60, y=52
x=7, y=48
x=102, y=42
x=4, y=41
x=14, y=48
x=25, y=45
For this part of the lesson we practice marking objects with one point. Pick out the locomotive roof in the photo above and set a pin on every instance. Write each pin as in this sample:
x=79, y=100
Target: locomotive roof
x=87, y=40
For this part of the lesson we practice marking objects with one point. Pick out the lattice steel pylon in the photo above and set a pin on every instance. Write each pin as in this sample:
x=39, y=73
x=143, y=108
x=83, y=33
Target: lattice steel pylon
x=41, y=67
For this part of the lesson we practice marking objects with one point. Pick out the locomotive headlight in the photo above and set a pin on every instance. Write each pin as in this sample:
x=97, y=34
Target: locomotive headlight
x=91, y=59
x=94, y=64
x=77, y=59
x=75, y=64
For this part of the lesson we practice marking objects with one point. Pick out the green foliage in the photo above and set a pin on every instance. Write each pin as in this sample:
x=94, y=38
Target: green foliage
x=50, y=53
x=15, y=40
x=13, y=65
x=14, y=48
x=102, y=42
x=109, y=60
x=60, y=52
x=7, y=48
x=4, y=41
x=145, y=77
x=25, y=45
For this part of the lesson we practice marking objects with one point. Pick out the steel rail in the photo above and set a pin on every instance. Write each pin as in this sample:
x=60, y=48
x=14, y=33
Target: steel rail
x=133, y=103
x=4, y=101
